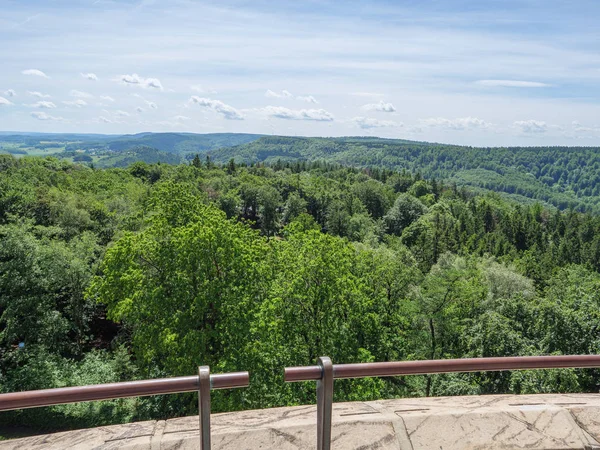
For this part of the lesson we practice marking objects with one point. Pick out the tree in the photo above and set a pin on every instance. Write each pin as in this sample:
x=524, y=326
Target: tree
x=177, y=286
x=269, y=201
x=449, y=295
x=313, y=298
x=231, y=166
x=196, y=161
x=406, y=210
x=294, y=206
x=375, y=196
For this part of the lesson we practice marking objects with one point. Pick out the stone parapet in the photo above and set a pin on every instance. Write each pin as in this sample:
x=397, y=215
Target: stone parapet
x=552, y=421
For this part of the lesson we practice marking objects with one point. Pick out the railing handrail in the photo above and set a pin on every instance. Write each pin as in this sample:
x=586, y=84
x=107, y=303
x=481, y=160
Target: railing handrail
x=325, y=373
x=424, y=367
x=203, y=383
x=58, y=396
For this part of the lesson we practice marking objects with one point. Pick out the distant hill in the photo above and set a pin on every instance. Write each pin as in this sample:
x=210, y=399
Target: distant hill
x=566, y=177
x=181, y=143
x=115, y=150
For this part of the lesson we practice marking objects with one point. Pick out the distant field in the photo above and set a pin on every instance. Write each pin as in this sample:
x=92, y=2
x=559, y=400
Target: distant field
x=20, y=150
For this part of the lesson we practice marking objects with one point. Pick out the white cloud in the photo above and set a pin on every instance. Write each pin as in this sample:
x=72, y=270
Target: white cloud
x=282, y=94
x=104, y=120
x=380, y=106
x=307, y=98
x=577, y=126
x=319, y=115
x=10, y=93
x=139, y=109
x=181, y=118
x=136, y=80
x=90, y=76
x=78, y=103
x=44, y=104
x=367, y=122
x=531, y=126
x=461, y=123
x=80, y=94
x=229, y=112
x=4, y=102
x=202, y=89
x=35, y=72
x=512, y=83
x=122, y=113
x=108, y=98
x=43, y=116
x=38, y=94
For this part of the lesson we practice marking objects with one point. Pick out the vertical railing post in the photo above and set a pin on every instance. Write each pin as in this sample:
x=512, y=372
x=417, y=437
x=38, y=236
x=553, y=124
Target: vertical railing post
x=324, y=403
x=204, y=406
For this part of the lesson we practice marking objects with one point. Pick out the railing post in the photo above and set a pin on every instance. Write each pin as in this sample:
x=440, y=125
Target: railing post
x=324, y=403
x=204, y=406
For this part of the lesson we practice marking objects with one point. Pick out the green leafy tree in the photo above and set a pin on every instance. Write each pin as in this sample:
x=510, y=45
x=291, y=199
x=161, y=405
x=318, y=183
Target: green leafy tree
x=406, y=210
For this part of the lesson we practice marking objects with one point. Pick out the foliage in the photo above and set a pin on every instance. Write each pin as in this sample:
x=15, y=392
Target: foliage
x=153, y=269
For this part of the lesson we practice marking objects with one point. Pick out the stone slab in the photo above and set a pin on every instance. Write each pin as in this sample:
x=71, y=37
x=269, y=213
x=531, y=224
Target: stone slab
x=550, y=422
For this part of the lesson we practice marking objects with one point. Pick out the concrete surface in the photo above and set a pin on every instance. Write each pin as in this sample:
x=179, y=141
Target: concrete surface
x=552, y=422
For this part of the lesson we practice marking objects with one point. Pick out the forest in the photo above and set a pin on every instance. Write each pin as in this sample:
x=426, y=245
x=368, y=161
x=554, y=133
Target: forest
x=564, y=177
x=150, y=270
x=560, y=177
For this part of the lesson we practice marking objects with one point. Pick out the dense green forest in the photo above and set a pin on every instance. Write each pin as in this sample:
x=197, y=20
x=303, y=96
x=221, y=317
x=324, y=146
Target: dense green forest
x=565, y=177
x=562, y=177
x=153, y=269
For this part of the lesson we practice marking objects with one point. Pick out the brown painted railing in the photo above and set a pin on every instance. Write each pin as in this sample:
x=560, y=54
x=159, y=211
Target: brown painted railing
x=202, y=383
x=325, y=372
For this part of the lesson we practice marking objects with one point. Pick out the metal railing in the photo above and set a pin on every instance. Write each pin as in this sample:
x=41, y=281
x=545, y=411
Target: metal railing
x=204, y=382
x=325, y=372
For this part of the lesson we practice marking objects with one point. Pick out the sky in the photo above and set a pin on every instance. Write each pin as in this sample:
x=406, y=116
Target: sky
x=482, y=73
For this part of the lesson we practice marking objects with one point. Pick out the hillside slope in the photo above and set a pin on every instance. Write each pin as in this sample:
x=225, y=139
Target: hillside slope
x=566, y=177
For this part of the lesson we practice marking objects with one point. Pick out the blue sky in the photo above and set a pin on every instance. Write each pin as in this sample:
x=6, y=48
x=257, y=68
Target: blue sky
x=477, y=73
